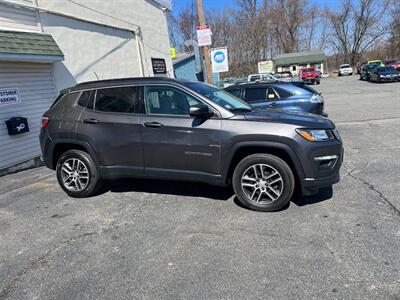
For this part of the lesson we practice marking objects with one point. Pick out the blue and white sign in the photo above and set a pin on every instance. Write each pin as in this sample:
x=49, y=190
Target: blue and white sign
x=219, y=60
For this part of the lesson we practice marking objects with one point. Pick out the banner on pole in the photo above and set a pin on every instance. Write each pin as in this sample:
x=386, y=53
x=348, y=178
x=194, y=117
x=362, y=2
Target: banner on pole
x=203, y=35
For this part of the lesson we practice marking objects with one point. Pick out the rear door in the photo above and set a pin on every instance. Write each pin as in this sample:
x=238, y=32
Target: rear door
x=111, y=124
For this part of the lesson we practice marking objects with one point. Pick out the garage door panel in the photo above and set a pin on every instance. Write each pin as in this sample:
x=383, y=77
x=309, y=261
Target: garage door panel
x=37, y=92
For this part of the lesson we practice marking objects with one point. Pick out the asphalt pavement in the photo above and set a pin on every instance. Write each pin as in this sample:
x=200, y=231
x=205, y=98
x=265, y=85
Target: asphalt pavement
x=146, y=239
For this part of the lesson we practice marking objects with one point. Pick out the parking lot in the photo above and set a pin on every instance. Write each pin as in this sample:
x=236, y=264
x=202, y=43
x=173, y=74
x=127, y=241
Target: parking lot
x=175, y=240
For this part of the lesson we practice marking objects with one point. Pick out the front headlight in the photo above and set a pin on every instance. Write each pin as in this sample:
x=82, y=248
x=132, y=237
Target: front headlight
x=316, y=135
x=337, y=134
x=316, y=98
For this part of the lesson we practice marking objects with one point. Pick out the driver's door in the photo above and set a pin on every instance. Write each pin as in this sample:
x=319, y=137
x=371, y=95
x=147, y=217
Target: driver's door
x=174, y=143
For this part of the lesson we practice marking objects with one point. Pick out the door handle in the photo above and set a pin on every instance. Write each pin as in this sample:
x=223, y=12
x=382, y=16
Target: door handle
x=274, y=104
x=90, y=121
x=153, y=124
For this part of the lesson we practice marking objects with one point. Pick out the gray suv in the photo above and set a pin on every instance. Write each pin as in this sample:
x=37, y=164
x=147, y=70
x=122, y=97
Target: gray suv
x=168, y=129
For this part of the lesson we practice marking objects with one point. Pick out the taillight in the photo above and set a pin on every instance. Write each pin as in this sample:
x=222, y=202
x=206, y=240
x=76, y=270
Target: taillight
x=45, y=121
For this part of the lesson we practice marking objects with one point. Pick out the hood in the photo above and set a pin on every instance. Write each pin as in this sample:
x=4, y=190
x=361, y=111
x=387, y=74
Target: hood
x=302, y=119
x=388, y=72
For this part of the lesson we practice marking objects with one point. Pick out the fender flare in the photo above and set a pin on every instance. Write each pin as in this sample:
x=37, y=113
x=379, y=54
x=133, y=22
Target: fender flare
x=272, y=145
x=81, y=143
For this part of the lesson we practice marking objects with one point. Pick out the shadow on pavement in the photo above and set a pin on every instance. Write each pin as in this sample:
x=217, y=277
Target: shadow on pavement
x=192, y=189
x=323, y=195
x=179, y=188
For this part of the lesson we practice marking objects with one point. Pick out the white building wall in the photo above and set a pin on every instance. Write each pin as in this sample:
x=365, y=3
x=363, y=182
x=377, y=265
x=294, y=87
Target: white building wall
x=128, y=14
x=13, y=18
x=91, y=51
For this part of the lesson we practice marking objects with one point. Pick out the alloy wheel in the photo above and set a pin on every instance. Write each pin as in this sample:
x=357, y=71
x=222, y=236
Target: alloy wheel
x=262, y=184
x=75, y=174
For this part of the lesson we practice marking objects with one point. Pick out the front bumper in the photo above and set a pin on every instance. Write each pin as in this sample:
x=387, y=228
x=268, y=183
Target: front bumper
x=390, y=79
x=321, y=165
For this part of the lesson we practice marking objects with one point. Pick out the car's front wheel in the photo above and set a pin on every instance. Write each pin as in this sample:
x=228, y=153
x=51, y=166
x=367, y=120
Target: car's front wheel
x=263, y=182
x=77, y=174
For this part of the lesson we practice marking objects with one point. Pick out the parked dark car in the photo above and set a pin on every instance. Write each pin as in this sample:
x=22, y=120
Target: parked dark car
x=385, y=74
x=168, y=129
x=285, y=74
x=366, y=71
x=293, y=96
x=360, y=65
x=395, y=63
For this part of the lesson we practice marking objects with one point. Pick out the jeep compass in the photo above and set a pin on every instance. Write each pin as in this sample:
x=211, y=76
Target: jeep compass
x=168, y=129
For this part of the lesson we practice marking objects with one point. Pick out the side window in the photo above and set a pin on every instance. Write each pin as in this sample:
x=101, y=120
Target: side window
x=120, y=99
x=256, y=95
x=163, y=100
x=235, y=92
x=283, y=94
x=86, y=99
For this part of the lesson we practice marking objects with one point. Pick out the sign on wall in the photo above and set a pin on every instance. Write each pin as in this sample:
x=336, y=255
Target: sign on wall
x=9, y=96
x=219, y=60
x=203, y=35
x=159, y=66
x=265, y=66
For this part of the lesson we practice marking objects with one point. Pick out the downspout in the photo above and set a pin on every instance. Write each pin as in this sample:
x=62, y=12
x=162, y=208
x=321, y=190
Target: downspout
x=138, y=37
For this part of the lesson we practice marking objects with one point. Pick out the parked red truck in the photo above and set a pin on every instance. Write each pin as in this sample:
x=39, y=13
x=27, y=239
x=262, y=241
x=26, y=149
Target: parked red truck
x=310, y=75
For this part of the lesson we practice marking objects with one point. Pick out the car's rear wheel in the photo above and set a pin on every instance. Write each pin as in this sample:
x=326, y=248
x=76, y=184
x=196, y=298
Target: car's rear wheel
x=263, y=182
x=77, y=174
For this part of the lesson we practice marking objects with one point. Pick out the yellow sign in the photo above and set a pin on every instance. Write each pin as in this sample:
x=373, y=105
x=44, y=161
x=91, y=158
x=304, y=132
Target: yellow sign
x=265, y=66
x=172, y=51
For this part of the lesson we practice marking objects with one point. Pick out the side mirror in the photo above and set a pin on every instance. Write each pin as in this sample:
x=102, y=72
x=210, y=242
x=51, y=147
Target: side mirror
x=200, y=111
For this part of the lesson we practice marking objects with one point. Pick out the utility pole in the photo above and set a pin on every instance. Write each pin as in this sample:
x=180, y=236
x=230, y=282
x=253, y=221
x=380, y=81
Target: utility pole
x=204, y=49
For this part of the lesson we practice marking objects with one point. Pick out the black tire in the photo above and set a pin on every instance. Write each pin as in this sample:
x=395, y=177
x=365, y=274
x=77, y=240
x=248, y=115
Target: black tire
x=275, y=163
x=318, y=81
x=94, y=180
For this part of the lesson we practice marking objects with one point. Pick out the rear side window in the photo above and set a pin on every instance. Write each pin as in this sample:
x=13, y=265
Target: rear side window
x=235, y=92
x=121, y=99
x=57, y=99
x=283, y=93
x=256, y=95
x=87, y=99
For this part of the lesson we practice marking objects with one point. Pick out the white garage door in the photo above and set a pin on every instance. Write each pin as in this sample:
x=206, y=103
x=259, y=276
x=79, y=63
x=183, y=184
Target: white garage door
x=37, y=91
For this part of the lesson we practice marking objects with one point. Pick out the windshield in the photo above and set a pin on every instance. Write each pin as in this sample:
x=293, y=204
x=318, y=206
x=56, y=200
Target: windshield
x=344, y=66
x=220, y=97
x=370, y=67
x=374, y=63
x=308, y=70
x=255, y=78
